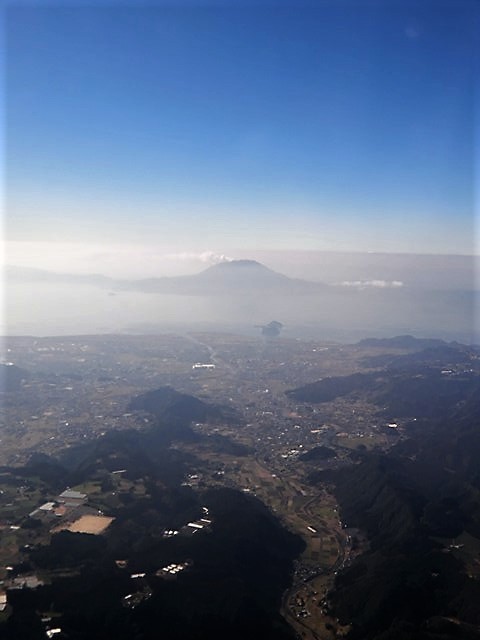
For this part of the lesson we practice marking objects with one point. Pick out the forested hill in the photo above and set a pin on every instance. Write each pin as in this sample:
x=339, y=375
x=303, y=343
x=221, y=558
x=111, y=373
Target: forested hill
x=169, y=405
x=428, y=383
x=420, y=507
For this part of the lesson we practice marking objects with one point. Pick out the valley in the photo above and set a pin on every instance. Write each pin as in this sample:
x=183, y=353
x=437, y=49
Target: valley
x=153, y=430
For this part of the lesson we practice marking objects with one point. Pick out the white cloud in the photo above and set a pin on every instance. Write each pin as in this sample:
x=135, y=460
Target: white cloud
x=364, y=284
x=205, y=257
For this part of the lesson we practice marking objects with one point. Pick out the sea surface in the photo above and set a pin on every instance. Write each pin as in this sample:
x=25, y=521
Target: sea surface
x=44, y=309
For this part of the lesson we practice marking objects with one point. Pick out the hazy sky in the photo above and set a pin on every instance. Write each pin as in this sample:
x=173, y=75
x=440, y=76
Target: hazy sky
x=220, y=126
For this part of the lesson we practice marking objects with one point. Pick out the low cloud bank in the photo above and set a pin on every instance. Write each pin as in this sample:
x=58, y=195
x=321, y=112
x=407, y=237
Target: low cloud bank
x=112, y=260
x=364, y=284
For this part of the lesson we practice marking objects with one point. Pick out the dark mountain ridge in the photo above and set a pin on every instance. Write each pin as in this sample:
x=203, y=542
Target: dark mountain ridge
x=423, y=384
x=413, y=511
x=419, y=505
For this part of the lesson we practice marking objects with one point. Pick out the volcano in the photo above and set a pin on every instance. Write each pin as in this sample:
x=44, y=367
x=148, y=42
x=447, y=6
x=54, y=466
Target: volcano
x=236, y=276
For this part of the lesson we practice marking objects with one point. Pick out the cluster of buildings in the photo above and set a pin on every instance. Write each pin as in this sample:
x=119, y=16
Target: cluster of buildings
x=65, y=502
x=173, y=569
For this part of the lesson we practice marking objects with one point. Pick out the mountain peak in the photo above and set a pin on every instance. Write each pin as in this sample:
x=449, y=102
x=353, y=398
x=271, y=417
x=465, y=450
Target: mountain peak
x=239, y=264
x=239, y=269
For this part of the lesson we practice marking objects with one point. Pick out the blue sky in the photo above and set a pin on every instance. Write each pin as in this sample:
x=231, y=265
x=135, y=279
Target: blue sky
x=210, y=127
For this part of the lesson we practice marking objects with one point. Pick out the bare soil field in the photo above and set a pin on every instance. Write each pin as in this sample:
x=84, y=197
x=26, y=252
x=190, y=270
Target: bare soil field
x=90, y=524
